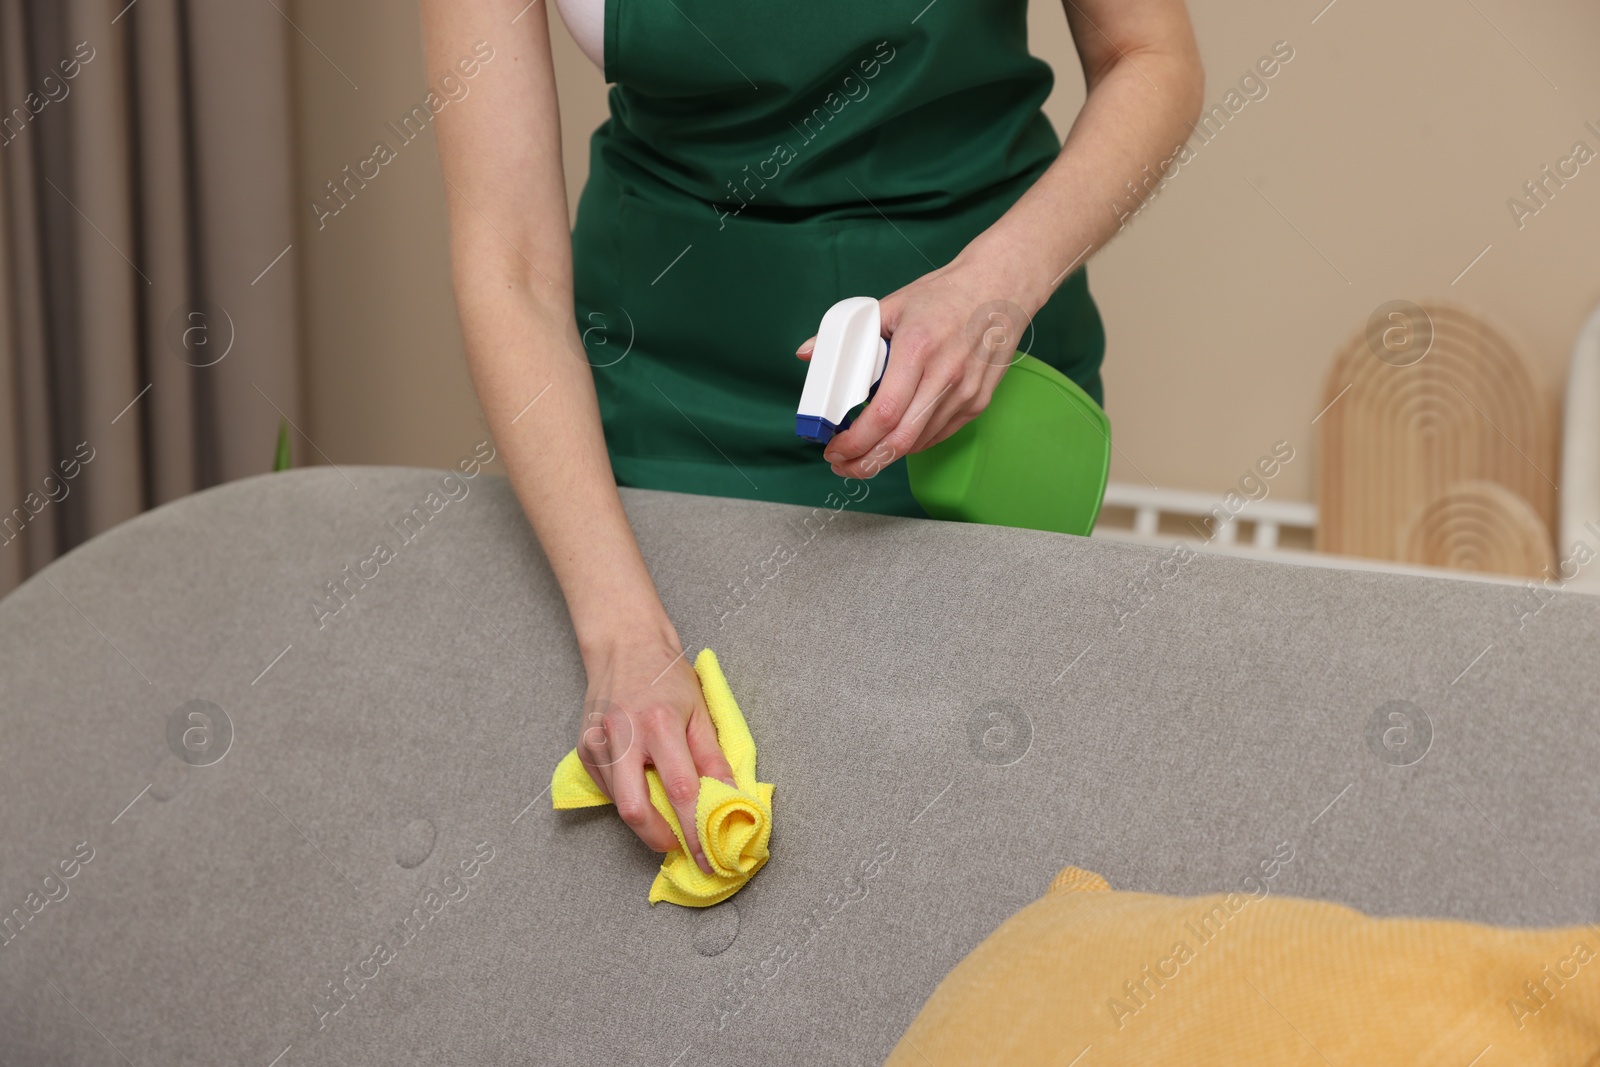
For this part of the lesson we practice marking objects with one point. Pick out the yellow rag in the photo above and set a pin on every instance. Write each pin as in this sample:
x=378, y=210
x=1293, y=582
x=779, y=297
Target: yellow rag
x=1251, y=981
x=734, y=824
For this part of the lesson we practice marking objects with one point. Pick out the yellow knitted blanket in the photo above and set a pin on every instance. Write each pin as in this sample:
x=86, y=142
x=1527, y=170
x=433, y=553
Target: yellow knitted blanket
x=735, y=825
x=1097, y=978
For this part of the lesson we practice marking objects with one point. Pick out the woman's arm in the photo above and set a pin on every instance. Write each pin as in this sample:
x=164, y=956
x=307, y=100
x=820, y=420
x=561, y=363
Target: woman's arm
x=1145, y=84
x=511, y=259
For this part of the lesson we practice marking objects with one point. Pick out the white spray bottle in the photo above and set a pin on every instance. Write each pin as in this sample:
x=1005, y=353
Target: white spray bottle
x=846, y=366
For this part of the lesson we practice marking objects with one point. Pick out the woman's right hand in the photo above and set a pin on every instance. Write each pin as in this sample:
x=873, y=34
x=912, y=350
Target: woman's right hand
x=644, y=708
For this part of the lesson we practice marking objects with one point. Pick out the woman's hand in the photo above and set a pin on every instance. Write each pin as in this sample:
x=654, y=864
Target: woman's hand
x=952, y=335
x=644, y=708
x=954, y=332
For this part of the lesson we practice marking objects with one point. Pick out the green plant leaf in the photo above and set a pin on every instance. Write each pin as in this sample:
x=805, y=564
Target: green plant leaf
x=285, y=457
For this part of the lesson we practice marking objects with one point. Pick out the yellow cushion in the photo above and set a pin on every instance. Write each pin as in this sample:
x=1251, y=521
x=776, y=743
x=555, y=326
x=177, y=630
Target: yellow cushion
x=1091, y=977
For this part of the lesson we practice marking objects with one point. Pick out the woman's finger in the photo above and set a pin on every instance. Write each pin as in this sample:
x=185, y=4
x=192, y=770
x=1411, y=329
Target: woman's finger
x=931, y=391
x=593, y=749
x=805, y=350
x=937, y=429
x=631, y=794
x=960, y=407
x=597, y=772
x=947, y=408
x=953, y=427
x=669, y=751
x=901, y=380
x=706, y=749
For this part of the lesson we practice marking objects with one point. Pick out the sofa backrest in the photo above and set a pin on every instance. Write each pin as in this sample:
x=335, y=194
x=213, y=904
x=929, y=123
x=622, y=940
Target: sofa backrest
x=307, y=822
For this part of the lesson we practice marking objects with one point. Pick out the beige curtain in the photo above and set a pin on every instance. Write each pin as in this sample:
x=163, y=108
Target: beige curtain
x=149, y=328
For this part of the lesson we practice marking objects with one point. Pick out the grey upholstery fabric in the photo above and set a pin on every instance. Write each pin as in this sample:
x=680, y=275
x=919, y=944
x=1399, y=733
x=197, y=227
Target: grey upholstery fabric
x=950, y=714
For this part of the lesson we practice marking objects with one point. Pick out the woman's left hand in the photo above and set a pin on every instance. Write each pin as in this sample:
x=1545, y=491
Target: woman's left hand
x=952, y=335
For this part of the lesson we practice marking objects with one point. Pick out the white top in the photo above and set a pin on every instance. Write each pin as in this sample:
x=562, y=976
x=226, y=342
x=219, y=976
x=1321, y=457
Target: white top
x=586, y=21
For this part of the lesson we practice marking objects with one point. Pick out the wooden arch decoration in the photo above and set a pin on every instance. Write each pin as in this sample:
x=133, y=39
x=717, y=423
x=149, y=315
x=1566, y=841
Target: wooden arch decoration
x=1480, y=526
x=1393, y=439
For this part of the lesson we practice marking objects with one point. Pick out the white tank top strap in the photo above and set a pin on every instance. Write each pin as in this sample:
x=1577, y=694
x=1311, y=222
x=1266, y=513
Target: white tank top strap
x=586, y=21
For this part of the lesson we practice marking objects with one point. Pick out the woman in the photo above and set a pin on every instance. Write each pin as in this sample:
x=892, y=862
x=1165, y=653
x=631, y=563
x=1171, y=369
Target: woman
x=762, y=162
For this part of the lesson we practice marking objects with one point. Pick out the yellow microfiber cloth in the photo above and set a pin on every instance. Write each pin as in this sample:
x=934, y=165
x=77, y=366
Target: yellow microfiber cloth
x=735, y=825
x=1121, y=978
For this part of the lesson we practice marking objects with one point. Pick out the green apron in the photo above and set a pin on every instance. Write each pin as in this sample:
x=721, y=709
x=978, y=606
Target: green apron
x=762, y=162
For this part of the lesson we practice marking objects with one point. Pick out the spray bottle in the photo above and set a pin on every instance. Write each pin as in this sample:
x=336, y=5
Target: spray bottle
x=1038, y=457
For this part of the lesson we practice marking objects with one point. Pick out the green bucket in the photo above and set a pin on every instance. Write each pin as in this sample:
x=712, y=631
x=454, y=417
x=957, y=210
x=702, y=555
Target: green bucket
x=1037, y=457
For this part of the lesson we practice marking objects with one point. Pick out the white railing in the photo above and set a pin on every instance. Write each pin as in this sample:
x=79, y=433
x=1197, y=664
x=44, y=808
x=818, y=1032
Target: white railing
x=1156, y=511
x=1150, y=503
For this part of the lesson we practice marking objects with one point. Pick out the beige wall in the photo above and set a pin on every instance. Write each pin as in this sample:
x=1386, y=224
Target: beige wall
x=1390, y=144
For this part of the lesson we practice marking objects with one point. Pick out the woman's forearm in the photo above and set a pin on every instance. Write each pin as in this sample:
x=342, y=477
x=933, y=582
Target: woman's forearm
x=511, y=263
x=537, y=392
x=1145, y=85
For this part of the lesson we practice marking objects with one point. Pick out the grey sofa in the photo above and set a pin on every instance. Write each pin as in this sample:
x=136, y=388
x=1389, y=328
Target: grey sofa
x=252, y=791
